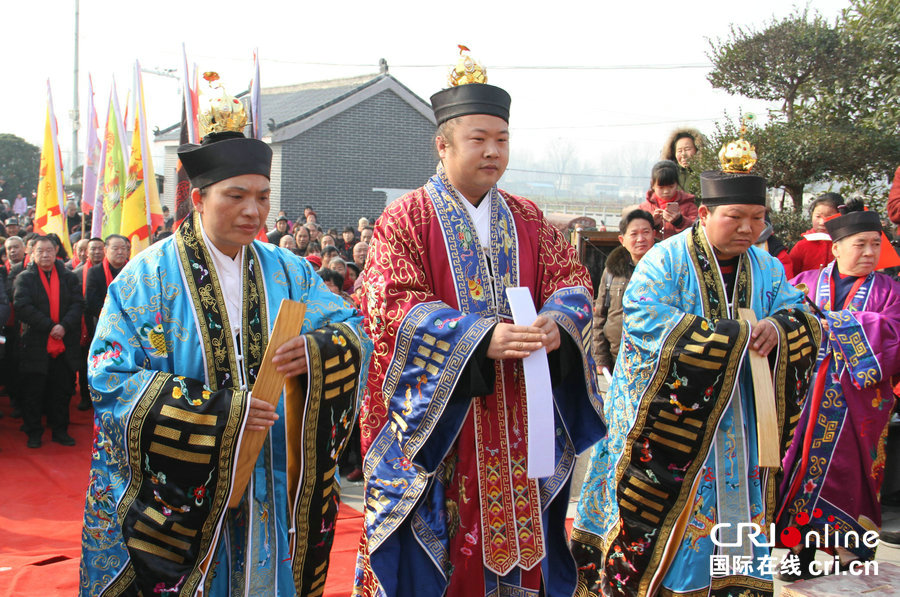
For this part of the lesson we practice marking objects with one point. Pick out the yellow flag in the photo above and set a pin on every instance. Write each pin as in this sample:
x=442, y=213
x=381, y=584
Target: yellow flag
x=141, y=209
x=49, y=213
x=111, y=186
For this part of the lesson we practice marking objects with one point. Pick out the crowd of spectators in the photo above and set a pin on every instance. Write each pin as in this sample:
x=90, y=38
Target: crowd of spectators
x=338, y=257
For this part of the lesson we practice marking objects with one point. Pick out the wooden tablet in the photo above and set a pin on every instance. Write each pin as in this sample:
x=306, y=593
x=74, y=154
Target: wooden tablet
x=767, y=436
x=269, y=384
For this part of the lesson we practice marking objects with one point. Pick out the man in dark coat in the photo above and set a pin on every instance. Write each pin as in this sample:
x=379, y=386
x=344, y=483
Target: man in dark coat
x=48, y=307
x=9, y=368
x=95, y=253
x=281, y=227
x=101, y=276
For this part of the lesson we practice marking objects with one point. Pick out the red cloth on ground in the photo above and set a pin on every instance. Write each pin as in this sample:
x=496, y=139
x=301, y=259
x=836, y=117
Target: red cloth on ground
x=43, y=491
x=811, y=254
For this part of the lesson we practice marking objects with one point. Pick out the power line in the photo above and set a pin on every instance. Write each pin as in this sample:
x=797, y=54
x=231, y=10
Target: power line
x=601, y=126
x=574, y=173
x=510, y=66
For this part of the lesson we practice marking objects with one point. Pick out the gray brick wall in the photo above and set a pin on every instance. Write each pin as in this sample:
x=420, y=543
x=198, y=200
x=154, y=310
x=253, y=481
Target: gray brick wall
x=382, y=142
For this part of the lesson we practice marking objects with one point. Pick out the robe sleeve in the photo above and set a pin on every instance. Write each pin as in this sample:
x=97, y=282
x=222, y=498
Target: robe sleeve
x=868, y=342
x=422, y=345
x=163, y=456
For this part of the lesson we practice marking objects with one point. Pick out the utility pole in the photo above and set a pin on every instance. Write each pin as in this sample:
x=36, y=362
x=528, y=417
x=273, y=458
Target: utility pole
x=74, y=115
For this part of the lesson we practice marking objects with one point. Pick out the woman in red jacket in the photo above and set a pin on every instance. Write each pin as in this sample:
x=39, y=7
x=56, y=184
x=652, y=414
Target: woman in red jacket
x=813, y=251
x=673, y=210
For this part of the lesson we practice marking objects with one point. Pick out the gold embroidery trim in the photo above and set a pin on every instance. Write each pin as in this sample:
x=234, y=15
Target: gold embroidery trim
x=155, y=550
x=142, y=528
x=187, y=416
x=648, y=488
x=642, y=500
x=702, y=363
x=155, y=515
x=167, y=432
x=667, y=442
x=183, y=530
x=676, y=431
x=183, y=455
x=338, y=375
x=198, y=439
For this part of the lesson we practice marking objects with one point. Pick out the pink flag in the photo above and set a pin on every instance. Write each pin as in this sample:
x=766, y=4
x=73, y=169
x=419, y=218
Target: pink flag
x=255, y=107
x=91, y=155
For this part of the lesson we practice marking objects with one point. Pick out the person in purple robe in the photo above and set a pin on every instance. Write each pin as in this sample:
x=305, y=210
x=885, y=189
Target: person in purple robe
x=835, y=466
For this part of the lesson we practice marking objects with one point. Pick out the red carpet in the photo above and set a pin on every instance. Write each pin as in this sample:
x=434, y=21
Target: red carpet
x=342, y=567
x=42, y=497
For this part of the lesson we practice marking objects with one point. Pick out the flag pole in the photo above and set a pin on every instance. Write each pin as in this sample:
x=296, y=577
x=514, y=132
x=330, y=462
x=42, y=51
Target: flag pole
x=75, y=115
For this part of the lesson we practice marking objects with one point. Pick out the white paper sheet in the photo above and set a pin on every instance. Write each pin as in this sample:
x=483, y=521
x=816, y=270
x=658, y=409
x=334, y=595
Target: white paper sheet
x=607, y=375
x=541, y=427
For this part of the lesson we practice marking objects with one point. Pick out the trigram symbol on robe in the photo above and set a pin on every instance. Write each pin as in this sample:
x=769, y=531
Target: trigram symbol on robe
x=644, y=499
x=431, y=357
x=340, y=375
x=799, y=345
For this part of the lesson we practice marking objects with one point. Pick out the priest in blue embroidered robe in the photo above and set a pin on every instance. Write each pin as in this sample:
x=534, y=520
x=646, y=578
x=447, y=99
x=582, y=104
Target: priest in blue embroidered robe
x=450, y=509
x=172, y=369
x=681, y=454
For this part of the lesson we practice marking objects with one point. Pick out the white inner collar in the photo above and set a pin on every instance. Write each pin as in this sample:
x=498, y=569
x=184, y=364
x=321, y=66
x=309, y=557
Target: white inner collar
x=229, y=272
x=481, y=217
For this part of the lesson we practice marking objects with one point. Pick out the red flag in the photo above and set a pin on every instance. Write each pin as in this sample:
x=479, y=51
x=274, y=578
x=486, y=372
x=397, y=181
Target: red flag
x=188, y=135
x=888, y=257
x=182, y=184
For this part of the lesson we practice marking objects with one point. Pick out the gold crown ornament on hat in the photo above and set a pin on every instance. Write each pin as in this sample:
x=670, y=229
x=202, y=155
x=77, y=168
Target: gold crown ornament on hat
x=466, y=70
x=739, y=156
x=219, y=112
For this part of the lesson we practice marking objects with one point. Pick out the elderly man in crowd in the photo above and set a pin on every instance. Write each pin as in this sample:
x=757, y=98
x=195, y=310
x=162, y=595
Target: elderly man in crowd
x=93, y=255
x=79, y=253
x=100, y=276
x=48, y=304
x=15, y=252
x=360, y=253
x=315, y=232
x=287, y=242
x=301, y=238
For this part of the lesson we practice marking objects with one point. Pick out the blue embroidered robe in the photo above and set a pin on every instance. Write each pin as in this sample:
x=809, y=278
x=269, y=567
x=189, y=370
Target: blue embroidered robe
x=681, y=453
x=170, y=391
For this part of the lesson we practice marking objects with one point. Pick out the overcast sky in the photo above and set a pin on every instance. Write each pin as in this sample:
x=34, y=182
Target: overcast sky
x=623, y=107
